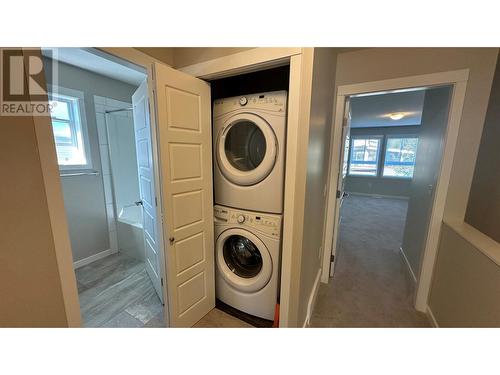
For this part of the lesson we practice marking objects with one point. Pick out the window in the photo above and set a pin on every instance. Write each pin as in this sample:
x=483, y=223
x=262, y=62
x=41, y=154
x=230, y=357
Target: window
x=400, y=156
x=70, y=130
x=364, y=156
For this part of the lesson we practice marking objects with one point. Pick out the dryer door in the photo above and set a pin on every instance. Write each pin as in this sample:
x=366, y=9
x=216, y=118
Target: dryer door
x=243, y=260
x=246, y=149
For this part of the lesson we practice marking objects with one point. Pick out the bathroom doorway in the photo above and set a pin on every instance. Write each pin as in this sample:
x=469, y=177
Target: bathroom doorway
x=104, y=144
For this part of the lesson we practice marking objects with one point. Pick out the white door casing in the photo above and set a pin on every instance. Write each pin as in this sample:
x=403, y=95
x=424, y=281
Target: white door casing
x=184, y=124
x=146, y=171
x=340, y=195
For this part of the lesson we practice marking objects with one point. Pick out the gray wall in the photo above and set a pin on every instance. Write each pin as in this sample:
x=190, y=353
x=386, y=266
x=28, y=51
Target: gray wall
x=465, y=288
x=427, y=166
x=84, y=195
x=483, y=210
x=317, y=172
x=379, y=185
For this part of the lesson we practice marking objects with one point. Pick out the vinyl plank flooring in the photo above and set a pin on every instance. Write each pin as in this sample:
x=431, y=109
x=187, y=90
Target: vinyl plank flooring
x=116, y=291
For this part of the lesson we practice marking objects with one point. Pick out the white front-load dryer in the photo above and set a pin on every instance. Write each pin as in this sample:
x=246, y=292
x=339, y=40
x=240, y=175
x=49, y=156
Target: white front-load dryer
x=247, y=253
x=249, y=151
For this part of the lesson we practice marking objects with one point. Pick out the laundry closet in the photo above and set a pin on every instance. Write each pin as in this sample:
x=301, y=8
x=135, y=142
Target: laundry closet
x=249, y=117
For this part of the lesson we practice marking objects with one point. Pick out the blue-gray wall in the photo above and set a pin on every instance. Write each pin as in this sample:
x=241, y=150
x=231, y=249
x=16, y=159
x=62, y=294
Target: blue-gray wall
x=84, y=195
x=380, y=185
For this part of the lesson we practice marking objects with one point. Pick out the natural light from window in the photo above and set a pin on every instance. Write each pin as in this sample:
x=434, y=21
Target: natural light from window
x=400, y=154
x=68, y=132
x=364, y=156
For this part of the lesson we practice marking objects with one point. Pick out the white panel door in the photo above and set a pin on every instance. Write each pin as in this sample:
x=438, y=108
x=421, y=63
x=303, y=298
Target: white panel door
x=344, y=158
x=145, y=166
x=184, y=123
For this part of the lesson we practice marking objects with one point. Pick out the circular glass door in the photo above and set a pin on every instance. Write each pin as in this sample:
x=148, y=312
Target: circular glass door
x=242, y=256
x=246, y=150
x=243, y=260
x=245, y=145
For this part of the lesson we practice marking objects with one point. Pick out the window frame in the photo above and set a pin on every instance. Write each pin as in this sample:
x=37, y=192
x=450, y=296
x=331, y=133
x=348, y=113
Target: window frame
x=380, y=137
x=80, y=123
x=382, y=164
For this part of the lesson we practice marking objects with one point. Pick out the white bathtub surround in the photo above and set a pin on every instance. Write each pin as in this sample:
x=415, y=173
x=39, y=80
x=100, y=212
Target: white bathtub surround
x=130, y=232
x=103, y=104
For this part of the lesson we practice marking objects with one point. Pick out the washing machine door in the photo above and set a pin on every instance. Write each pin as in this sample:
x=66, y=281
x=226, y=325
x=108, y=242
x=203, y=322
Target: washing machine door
x=246, y=149
x=243, y=260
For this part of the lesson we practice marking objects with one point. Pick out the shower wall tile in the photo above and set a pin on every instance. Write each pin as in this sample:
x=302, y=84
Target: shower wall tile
x=101, y=129
x=106, y=168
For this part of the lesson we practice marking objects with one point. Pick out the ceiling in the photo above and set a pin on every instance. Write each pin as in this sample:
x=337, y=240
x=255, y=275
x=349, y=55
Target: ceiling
x=95, y=61
x=373, y=110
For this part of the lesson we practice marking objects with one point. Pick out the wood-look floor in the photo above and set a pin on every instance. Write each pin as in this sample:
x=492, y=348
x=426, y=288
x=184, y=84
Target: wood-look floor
x=116, y=292
x=371, y=286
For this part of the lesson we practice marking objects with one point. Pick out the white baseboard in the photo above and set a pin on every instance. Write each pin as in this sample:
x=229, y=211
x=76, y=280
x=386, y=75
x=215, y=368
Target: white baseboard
x=408, y=265
x=431, y=317
x=93, y=258
x=312, y=299
x=379, y=195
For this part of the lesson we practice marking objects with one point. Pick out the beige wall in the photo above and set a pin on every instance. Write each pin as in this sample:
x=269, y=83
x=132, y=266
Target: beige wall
x=464, y=279
x=384, y=63
x=30, y=289
x=466, y=285
x=194, y=55
x=164, y=54
x=318, y=152
x=483, y=209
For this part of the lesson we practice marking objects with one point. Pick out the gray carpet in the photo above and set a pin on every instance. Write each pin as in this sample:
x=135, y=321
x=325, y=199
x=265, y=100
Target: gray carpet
x=371, y=286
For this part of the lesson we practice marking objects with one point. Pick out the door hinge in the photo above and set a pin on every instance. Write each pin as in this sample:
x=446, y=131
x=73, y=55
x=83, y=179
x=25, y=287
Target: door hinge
x=338, y=194
x=156, y=201
x=332, y=258
x=161, y=281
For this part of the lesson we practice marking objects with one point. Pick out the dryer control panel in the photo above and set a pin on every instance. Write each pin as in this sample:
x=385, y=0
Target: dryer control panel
x=265, y=223
x=270, y=101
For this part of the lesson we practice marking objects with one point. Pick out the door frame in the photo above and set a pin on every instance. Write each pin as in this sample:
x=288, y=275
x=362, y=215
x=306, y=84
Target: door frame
x=458, y=79
x=297, y=136
x=300, y=61
x=50, y=171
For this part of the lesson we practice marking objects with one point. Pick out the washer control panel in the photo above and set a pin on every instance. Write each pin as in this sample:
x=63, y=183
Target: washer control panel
x=272, y=101
x=266, y=223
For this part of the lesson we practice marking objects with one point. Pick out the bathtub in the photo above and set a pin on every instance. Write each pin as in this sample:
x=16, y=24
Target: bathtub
x=130, y=233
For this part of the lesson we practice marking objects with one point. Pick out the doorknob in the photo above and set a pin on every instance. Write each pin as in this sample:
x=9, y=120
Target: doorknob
x=172, y=240
x=139, y=203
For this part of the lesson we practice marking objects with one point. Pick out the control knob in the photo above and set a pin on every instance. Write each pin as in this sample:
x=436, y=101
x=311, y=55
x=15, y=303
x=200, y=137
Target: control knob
x=241, y=219
x=243, y=101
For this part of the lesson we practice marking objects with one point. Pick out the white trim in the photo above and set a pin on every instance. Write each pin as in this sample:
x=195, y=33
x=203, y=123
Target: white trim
x=392, y=84
x=241, y=62
x=437, y=214
x=81, y=124
x=458, y=79
x=408, y=265
x=431, y=317
x=485, y=244
x=402, y=197
x=93, y=258
x=312, y=300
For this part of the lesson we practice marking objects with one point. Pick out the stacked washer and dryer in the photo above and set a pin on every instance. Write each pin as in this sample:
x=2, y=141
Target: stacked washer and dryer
x=249, y=168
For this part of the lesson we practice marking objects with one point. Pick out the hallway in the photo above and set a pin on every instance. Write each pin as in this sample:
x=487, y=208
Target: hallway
x=371, y=286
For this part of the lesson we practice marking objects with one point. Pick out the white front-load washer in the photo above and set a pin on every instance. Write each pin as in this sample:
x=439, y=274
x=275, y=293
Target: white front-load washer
x=247, y=253
x=249, y=151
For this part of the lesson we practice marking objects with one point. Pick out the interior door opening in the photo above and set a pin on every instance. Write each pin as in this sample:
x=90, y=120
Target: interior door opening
x=106, y=153
x=392, y=146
